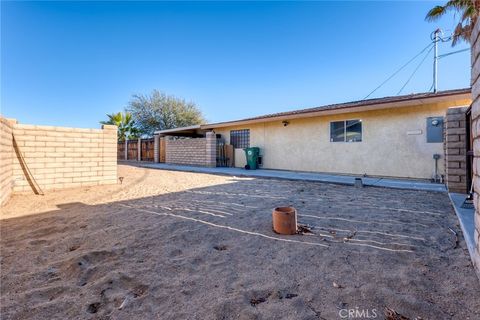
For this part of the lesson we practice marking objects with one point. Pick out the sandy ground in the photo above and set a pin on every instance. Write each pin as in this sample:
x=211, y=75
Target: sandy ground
x=172, y=245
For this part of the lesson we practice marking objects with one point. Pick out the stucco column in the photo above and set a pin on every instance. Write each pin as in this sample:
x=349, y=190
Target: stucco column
x=139, y=149
x=211, y=149
x=156, y=148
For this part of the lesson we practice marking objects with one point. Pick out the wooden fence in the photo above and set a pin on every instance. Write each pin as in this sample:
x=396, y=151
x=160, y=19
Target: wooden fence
x=146, y=149
x=121, y=150
x=132, y=150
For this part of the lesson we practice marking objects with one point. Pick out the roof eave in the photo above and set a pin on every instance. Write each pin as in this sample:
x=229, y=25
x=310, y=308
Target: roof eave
x=346, y=109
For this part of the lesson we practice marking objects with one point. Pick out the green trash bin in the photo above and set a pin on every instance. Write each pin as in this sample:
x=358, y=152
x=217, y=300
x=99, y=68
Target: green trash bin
x=252, y=157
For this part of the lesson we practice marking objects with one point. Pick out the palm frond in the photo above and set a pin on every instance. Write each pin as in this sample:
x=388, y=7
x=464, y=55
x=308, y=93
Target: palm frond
x=469, y=13
x=459, y=5
x=435, y=13
x=125, y=123
x=128, y=117
x=461, y=33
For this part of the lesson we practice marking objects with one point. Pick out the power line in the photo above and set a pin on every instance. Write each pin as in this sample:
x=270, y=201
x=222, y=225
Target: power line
x=430, y=45
x=454, y=52
x=446, y=55
x=414, y=71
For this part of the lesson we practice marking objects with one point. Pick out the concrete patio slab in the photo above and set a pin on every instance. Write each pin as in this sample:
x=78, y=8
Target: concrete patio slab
x=304, y=176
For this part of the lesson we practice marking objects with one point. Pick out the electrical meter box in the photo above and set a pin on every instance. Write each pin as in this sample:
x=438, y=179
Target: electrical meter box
x=434, y=129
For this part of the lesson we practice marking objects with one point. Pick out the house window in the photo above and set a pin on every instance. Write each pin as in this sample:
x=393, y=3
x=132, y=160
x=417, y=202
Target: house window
x=346, y=131
x=240, y=138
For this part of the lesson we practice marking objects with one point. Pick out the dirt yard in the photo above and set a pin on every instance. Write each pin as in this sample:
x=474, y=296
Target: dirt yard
x=173, y=245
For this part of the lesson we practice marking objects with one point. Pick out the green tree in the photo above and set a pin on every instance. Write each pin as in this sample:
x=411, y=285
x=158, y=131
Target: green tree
x=126, y=125
x=159, y=111
x=468, y=10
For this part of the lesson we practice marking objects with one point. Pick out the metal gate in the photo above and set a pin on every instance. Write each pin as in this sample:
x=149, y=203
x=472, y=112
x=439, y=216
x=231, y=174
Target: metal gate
x=225, y=153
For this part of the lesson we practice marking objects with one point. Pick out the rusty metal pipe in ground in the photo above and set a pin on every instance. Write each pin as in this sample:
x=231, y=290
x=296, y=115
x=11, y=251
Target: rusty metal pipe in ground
x=285, y=220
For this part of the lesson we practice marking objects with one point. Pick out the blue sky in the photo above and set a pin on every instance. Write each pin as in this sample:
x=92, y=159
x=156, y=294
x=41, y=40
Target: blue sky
x=70, y=63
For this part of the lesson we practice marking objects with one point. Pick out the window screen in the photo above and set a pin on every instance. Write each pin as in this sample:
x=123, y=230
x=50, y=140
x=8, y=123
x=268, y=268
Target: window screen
x=346, y=131
x=240, y=138
x=353, y=129
x=337, y=131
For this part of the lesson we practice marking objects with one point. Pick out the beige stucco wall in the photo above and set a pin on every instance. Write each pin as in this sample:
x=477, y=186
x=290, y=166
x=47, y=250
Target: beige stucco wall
x=41, y=158
x=386, y=148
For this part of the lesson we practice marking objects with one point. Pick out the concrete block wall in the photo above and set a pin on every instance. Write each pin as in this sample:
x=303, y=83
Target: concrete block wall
x=186, y=151
x=455, y=150
x=475, y=43
x=46, y=158
x=191, y=151
x=6, y=159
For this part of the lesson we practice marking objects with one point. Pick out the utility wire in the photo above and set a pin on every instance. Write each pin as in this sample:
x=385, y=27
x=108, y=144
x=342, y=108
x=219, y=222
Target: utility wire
x=414, y=71
x=430, y=45
x=454, y=52
x=441, y=39
x=446, y=55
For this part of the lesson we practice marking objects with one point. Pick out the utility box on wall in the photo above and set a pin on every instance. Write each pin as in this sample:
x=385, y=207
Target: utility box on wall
x=434, y=129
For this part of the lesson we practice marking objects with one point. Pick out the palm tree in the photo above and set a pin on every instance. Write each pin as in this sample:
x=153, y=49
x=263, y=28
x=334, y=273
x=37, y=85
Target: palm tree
x=468, y=9
x=126, y=125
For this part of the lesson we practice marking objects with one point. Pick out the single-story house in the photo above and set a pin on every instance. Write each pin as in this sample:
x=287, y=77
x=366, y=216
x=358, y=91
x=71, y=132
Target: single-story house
x=396, y=136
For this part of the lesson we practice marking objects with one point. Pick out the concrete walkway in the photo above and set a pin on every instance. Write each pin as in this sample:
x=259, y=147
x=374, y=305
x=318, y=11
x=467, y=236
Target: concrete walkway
x=305, y=176
x=466, y=218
